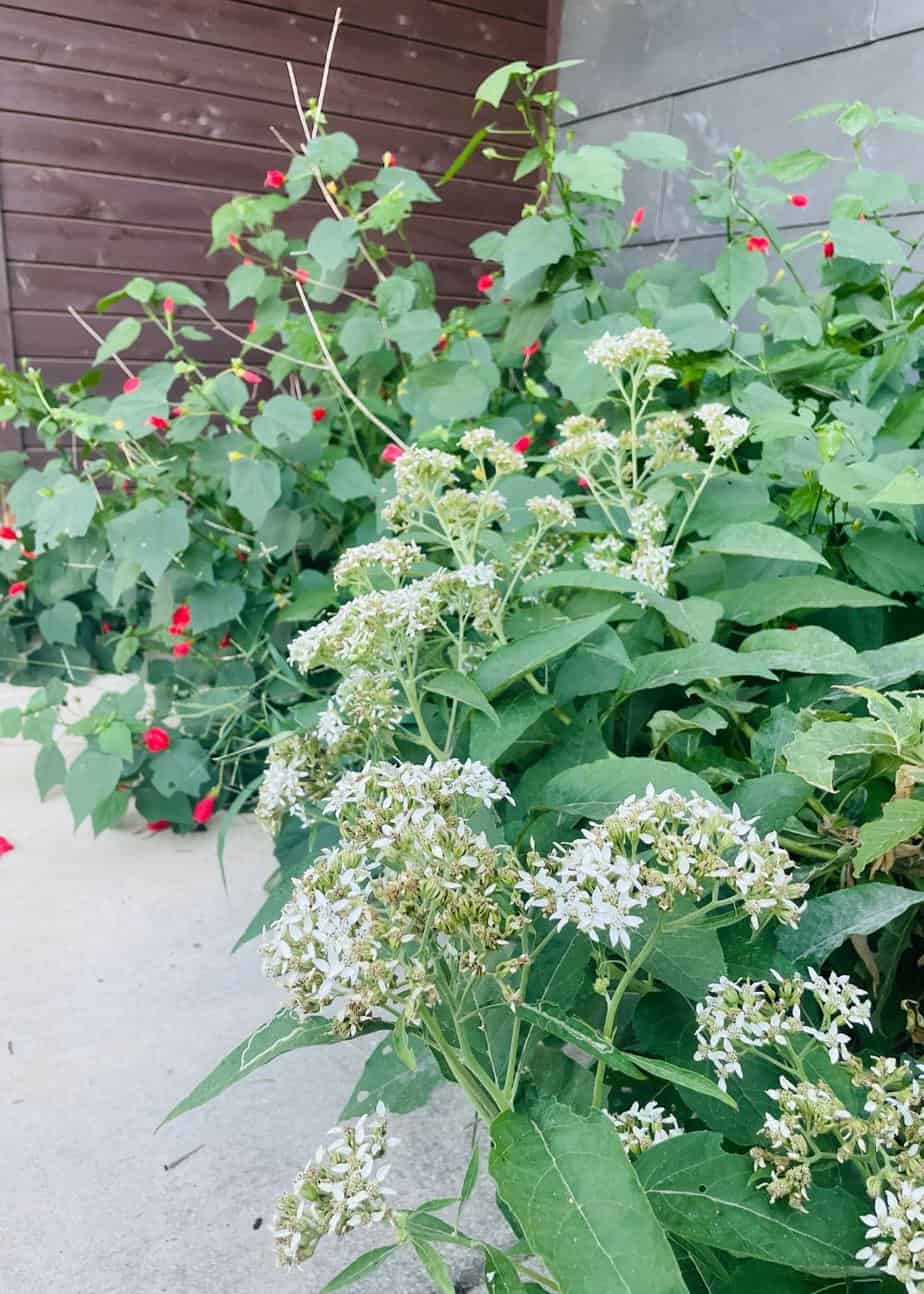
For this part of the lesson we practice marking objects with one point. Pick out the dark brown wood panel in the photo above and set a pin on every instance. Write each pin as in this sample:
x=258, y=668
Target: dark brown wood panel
x=162, y=60
x=38, y=334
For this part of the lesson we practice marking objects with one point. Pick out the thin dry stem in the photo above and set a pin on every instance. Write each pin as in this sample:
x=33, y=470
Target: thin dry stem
x=99, y=340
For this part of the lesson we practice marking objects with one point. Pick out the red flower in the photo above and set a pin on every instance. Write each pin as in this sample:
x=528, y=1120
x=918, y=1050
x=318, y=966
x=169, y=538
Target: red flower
x=242, y=554
x=106, y=627
x=391, y=454
x=798, y=200
x=158, y=424
x=156, y=739
x=181, y=616
x=254, y=379
x=234, y=241
x=389, y=159
x=274, y=180
x=248, y=260
x=301, y=276
x=130, y=384
x=160, y=825
x=17, y=587
x=181, y=649
x=485, y=283
x=319, y=414
x=522, y=444
x=126, y=487
x=177, y=411
x=529, y=351
x=204, y=810
x=6, y=846
x=638, y=217
x=757, y=243
x=169, y=305
x=828, y=250
x=441, y=344
x=226, y=641
x=583, y=483
x=28, y=554
x=252, y=326
x=7, y=532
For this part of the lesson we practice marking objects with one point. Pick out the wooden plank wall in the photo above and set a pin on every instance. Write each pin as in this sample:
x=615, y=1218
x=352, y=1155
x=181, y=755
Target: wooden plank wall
x=122, y=125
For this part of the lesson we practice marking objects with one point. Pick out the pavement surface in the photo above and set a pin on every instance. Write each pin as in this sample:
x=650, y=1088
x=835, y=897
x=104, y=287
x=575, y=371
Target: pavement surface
x=117, y=995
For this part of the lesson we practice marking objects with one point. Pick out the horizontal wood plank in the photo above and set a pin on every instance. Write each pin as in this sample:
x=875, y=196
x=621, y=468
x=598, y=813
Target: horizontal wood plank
x=38, y=333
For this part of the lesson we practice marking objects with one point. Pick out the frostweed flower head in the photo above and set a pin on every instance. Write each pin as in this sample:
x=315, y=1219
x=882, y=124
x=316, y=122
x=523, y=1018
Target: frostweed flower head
x=643, y=1126
x=647, y=522
x=666, y=439
x=650, y=565
x=485, y=444
x=340, y=1190
x=807, y=1113
x=461, y=512
x=655, y=374
x=656, y=848
x=585, y=444
x=641, y=346
x=391, y=556
x=298, y=771
x=896, y=1233
x=650, y=562
x=724, y=431
x=737, y=1017
x=549, y=511
x=420, y=476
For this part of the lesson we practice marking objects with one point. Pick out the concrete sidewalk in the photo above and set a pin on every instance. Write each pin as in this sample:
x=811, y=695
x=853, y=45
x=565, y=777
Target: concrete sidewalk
x=117, y=995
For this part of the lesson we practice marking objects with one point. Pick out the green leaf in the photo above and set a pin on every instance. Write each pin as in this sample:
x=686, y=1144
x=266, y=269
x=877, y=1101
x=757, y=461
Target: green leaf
x=255, y=487
x=906, y=490
x=501, y=1276
x=119, y=337
x=597, y=789
x=281, y=1034
x=771, y=799
x=461, y=688
x=792, y=323
x=894, y=663
x=492, y=737
x=348, y=480
x=687, y=1079
x=283, y=418
x=515, y=659
x=831, y=918
x=150, y=535
x=361, y=335
x=789, y=167
x=688, y=959
x=901, y=819
x=243, y=282
x=573, y=1030
x=310, y=601
x=569, y=1184
x=455, y=166
x=50, y=770
x=687, y=664
x=333, y=242
x=737, y=276
x=434, y=1265
x=417, y=332
x=701, y=1193
x=332, y=154
x=594, y=170
x=211, y=605
x=90, y=779
x=886, y=559
x=694, y=327
x=182, y=767
x=470, y=1179
x=59, y=624
x=865, y=241
x=754, y=603
x=533, y=244
x=664, y=152
x=386, y=1078
x=116, y=739
x=493, y=88
x=358, y=1268
x=754, y=539
x=809, y=650
x=811, y=753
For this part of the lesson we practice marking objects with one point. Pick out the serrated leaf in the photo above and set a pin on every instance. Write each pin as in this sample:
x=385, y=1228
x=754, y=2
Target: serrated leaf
x=811, y=753
x=901, y=819
x=151, y=535
x=831, y=918
x=533, y=244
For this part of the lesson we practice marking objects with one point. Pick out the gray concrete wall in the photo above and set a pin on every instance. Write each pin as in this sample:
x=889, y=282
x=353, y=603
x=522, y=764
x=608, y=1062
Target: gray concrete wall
x=723, y=72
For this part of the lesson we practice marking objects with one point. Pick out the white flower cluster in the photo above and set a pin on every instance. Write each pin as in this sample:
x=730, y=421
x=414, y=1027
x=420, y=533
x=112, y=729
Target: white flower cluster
x=641, y=346
x=724, y=431
x=363, y=706
x=585, y=445
x=896, y=1233
x=403, y=791
x=737, y=1017
x=462, y=513
x=341, y=1189
x=666, y=439
x=295, y=773
x=383, y=627
x=643, y=1126
x=660, y=846
x=485, y=444
x=391, y=556
x=420, y=477
x=550, y=511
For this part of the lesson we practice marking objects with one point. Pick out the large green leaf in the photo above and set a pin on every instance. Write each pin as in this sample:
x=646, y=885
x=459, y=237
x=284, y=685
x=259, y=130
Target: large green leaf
x=901, y=819
x=883, y=557
x=737, y=275
x=688, y=664
x=568, y=1182
x=182, y=767
x=361, y=1267
x=515, y=659
x=386, y=1078
x=703, y=1194
x=255, y=487
x=492, y=737
x=770, y=799
x=593, y=169
x=694, y=327
x=865, y=241
x=59, y=624
x=664, y=152
x=597, y=789
x=282, y=419
x=811, y=753
x=755, y=603
x=119, y=337
x=90, y=779
x=417, y=332
x=459, y=687
x=535, y=243
x=809, y=650
x=215, y=604
x=151, y=535
x=281, y=1034
x=687, y=959
x=831, y=918
x=755, y=539
x=493, y=88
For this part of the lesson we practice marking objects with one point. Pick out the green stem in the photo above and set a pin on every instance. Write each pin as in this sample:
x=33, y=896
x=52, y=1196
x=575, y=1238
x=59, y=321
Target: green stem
x=609, y=1024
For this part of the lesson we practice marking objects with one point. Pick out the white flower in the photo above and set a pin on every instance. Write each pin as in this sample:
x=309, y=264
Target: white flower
x=724, y=431
x=550, y=511
x=896, y=1230
x=641, y=346
x=389, y=555
x=642, y=1126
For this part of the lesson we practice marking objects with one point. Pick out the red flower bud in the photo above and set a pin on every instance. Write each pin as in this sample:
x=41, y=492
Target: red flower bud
x=485, y=283
x=130, y=384
x=638, y=217
x=274, y=180
x=389, y=159
x=160, y=825
x=254, y=379
x=757, y=243
x=441, y=344
x=792, y=625
x=828, y=250
x=391, y=454
x=319, y=414
x=126, y=487
x=204, y=810
x=248, y=260
x=234, y=241
x=226, y=641
x=6, y=846
x=798, y=200
x=583, y=483
x=7, y=532
x=156, y=739
x=169, y=305
x=106, y=627
x=252, y=326
x=181, y=616
x=242, y=554
x=529, y=351
x=177, y=411
x=28, y=554
x=17, y=587
x=522, y=444
x=158, y=424
x=181, y=649
x=301, y=276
